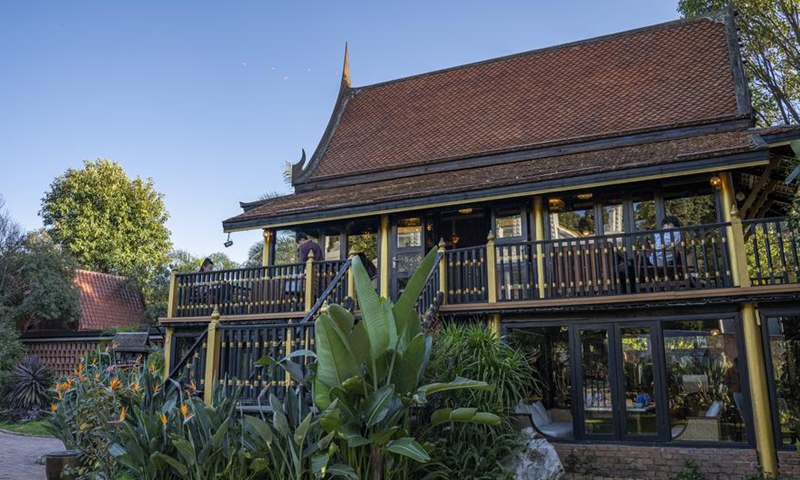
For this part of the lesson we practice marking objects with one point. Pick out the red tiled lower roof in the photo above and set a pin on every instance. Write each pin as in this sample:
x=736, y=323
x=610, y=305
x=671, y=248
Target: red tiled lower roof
x=659, y=77
x=516, y=173
x=106, y=301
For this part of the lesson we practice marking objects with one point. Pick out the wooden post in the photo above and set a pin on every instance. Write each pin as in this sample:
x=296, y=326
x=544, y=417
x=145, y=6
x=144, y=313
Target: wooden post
x=351, y=279
x=212, y=357
x=172, y=302
x=289, y=344
x=762, y=416
x=309, y=281
x=495, y=324
x=734, y=233
x=384, y=263
x=170, y=331
x=265, y=255
x=739, y=267
x=538, y=224
x=443, y=270
x=491, y=269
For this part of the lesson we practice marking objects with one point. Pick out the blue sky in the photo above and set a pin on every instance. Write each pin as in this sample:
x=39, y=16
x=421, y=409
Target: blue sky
x=211, y=98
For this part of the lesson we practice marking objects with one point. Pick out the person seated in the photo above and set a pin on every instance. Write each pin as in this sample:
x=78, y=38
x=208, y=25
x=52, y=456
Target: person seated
x=664, y=253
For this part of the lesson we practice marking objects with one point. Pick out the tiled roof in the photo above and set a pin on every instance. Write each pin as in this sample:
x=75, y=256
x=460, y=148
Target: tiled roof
x=106, y=301
x=524, y=172
x=655, y=78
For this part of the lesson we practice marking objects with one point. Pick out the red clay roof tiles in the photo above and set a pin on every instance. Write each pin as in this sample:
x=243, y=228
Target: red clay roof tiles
x=659, y=77
x=106, y=301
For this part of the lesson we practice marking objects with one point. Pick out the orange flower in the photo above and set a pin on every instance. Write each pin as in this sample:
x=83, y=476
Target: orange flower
x=152, y=368
x=184, y=410
x=192, y=386
x=156, y=387
x=115, y=383
x=122, y=414
x=135, y=386
x=164, y=419
x=94, y=361
x=78, y=371
x=54, y=408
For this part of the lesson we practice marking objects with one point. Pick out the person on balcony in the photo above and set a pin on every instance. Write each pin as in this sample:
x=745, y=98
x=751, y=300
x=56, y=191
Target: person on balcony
x=664, y=253
x=307, y=245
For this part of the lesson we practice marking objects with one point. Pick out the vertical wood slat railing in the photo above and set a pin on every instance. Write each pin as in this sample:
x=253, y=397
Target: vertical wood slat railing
x=772, y=251
x=466, y=275
x=325, y=273
x=272, y=289
x=192, y=366
x=430, y=292
x=242, y=345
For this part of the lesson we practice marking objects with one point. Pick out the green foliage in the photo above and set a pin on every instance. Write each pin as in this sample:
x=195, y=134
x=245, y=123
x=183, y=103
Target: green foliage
x=185, y=262
x=689, y=472
x=11, y=351
x=38, y=285
x=473, y=454
x=368, y=379
x=28, y=384
x=107, y=221
x=39, y=428
x=770, y=35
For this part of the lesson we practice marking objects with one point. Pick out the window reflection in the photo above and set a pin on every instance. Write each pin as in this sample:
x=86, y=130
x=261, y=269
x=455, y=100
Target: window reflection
x=784, y=346
x=509, y=225
x=706, y=401
x=573, y=223
x=409, y=233
x=695, y=210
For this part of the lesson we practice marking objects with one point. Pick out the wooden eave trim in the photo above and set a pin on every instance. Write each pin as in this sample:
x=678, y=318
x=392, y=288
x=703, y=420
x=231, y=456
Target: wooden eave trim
x=780, y=139
x=641, y=298
x=531, y=152
x=232, y=318
x=743, y=98
x=675, y=169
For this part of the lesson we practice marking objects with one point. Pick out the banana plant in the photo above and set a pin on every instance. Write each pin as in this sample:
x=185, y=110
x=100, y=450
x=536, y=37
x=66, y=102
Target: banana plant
x=368, y=375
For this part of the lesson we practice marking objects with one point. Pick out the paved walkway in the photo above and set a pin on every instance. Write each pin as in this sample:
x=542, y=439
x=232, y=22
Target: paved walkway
x=18, y=456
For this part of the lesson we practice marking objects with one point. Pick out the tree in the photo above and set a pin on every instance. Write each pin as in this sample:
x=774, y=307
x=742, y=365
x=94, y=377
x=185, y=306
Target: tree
x=108, y=222
x=11, y=348
x=38, y=284
x=770, y=35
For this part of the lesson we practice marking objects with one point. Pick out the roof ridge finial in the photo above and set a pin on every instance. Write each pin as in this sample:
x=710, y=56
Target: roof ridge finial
x=346, y=68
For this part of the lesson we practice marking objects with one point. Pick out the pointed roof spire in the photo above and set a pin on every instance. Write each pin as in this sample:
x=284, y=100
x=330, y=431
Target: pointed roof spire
x=346, y=69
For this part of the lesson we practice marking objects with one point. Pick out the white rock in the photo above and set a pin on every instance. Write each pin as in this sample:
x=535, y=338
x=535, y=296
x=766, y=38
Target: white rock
x=539, y=461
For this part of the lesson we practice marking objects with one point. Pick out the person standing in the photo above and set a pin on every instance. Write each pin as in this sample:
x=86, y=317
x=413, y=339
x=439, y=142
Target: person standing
x=307, y=245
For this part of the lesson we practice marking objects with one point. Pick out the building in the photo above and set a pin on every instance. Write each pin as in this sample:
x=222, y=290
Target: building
x=545, y=179
x=106, y=304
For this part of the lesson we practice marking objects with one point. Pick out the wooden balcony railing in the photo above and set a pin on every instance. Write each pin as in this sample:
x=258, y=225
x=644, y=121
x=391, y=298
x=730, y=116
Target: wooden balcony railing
x=466, y=275
x=772, y=251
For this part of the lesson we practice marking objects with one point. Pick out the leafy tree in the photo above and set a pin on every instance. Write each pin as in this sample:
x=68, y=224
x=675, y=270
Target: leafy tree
x=39, y=284
x=770, y=35
x=107, y=221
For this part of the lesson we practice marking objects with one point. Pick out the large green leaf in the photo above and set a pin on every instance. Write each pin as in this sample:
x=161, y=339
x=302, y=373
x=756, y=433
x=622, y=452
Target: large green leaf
x=408, y=447
x=343, y=318
x=459, y=383
x=258, y=426
x=464, y=415
x=373, y=315
x=407, y=370
x=405, y=314
x=178, y=466
x=335, y=360
x=376, y=405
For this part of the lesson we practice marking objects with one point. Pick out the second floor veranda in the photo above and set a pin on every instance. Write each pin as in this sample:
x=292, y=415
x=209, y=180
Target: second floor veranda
x=575, y=247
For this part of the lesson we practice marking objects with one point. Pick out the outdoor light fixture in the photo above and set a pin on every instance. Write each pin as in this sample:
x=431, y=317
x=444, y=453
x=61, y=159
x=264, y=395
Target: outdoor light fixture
x=584, y=196
x=228, y=242
x=464, y=211
x=556, y=204
x=715, y=182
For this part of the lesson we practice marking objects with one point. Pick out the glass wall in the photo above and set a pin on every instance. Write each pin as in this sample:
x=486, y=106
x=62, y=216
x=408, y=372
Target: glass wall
x=783, y=333
x=704, y=381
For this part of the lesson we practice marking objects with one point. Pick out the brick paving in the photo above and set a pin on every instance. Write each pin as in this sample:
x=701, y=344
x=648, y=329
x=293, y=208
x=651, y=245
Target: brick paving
x=19, y=454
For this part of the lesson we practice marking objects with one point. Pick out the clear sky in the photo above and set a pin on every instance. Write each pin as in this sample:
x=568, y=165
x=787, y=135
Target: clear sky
x=211, y=98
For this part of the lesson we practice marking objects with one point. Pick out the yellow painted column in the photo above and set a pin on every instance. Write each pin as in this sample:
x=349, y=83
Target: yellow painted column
x=351, y=279
x=309, y=281
x=212, y=357
x=735, y=235
x=495, y=324
x=289, y=348
x=757, y=372
x=538, y=231
x=491, y=269
x=172, y=301
x=443, y=271
x=170, y=331
x=384, y=262
x=266, y=254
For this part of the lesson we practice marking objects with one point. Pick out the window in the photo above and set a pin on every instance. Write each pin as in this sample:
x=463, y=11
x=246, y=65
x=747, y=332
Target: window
x=783, y=333
x=704, y=381
x=571, y=222
x=409, y=233
x=644, y=214
x=333, y=250
x=694, y=210
x=509, y=225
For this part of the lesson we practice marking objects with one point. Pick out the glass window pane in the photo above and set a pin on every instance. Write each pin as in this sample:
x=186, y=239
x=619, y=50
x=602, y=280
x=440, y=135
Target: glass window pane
x=548, y=350
x=333, y=249
x=509, y=226
x=409, y=233
x=697, y=210
x=784, y=345
x=644, y=215
x=704, y=385
x=572, y=224
x=640, y=392
x=613, y=219
x=598, y=402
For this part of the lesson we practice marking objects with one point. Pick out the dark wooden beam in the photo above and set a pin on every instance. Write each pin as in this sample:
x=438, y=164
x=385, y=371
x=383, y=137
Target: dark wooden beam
x=762, y=181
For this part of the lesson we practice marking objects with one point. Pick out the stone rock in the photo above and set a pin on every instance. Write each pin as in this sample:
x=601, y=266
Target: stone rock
x=539, y=461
